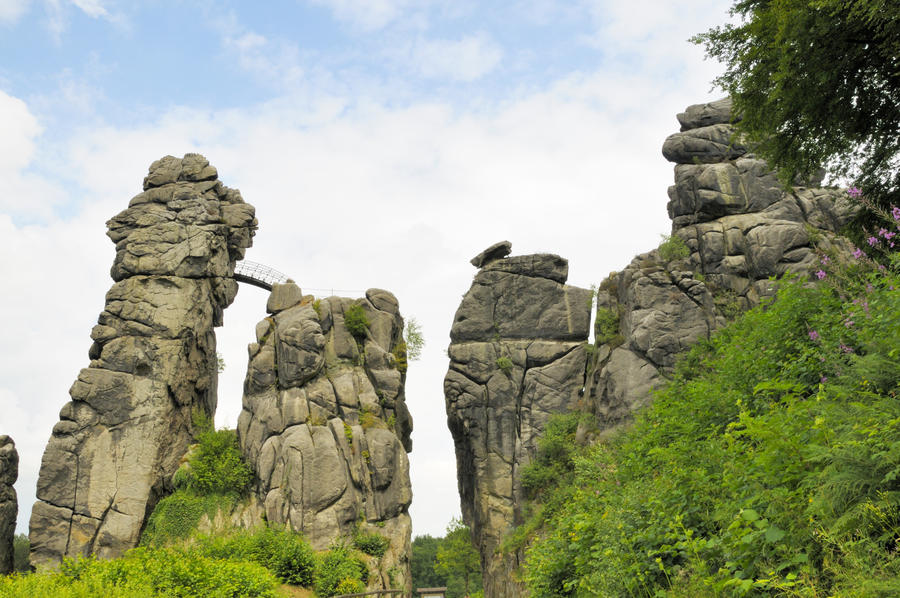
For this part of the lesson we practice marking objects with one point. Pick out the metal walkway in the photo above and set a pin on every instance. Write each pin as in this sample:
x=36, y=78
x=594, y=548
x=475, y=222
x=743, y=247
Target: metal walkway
x=258, y=275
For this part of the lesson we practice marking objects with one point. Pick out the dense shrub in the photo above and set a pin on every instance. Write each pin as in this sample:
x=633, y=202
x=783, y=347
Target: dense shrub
x=146, y=572
x=216, y=465
x=336, y=566
x=673, y=248
x=371, y=543
x=284, y=553
x=356, y=321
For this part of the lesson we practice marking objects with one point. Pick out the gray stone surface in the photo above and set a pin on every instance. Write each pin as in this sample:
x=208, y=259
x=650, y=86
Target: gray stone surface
x=325, y=426
x=118, y=442
x=517, y=357
x=496, y=251
x=704, y=115
x=9, y=506
x=740, y=227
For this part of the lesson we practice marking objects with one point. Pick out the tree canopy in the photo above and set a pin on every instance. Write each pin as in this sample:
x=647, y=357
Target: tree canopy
x=817, y=83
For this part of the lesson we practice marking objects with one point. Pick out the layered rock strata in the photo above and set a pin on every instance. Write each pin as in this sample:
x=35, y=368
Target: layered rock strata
x=325, y=425
x=517, y=356
x=9, y=506
x=112, y=454
x=734, y=227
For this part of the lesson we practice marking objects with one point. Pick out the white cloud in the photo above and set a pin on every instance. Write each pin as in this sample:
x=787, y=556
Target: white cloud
x=92, y=8
x=23, y=193
x=275, y=62
x=11, y=10
x=20, y=128
x=351, y=193
x=58, y=13
x=368, y=15
x=466, y=59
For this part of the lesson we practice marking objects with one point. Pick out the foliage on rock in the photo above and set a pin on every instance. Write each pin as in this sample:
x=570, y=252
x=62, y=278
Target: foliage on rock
x=816, y=85
x=767, y=466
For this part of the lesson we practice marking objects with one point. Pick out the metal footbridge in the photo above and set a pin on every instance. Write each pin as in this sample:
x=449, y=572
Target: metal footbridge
x=258, y=275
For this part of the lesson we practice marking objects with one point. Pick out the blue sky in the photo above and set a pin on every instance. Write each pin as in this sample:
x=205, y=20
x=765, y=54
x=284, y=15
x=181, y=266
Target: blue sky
x=383, y=143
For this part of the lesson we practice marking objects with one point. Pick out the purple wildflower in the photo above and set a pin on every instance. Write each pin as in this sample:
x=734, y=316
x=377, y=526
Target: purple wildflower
x=825, y=260
x=823, y=379
x=820, y=274
x=813, y=335
x=896, y=212
x=854, y=192
x=872, y=241
x=846, y=349
x=859, y=253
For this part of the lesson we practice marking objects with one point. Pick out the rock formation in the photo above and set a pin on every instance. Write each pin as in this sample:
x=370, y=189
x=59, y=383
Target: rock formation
x=9, y=507
x=324, y=422
x=517, y=356
x=733, y=227
x=153, y=362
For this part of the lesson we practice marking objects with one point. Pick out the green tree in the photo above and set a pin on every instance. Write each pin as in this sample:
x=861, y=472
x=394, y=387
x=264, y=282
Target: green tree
x=421, y=563
x=457, y=557
x=415, y=342
x=817, y=83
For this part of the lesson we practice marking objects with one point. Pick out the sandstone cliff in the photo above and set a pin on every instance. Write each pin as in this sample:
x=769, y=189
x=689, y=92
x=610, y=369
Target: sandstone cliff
x=734, y=227
x=153, y=361
x=325, y=426
x=9, y=507
x=517, y=356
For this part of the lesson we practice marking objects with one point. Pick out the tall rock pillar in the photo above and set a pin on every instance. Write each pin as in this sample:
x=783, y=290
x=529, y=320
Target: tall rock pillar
x=9, y=507
x=517, y=356
x=153, y=363
x=734, y=228
x=325, y=426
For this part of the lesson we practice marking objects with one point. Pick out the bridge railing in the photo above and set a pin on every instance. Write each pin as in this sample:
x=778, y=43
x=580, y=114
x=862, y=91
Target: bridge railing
x=258, y=275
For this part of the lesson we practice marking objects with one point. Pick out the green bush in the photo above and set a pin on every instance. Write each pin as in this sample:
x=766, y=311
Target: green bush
x=336, y=566
x=372, y=544
x=356, y=321
x=505, y=365
x=606, y=325
x=216, y=465
x=285, y=553
x=673, y=248
x=401, y=360
x=146, y=572
x=177, y=515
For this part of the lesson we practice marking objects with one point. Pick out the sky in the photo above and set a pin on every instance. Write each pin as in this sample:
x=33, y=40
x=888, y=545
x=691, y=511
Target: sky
x=384, y=143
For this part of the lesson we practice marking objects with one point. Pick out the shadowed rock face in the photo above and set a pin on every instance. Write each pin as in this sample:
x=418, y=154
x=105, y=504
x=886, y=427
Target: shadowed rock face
x=9, y=507
x=153, y=361
x=739, y=228
x=325, y=426
x=517, y=357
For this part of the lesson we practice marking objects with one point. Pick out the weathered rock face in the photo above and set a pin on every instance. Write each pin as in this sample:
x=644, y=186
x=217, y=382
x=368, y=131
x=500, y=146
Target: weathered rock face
x=517, y=356
x=153, y=362
x=9, y=506
x=325, y=426
x=737, y=227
